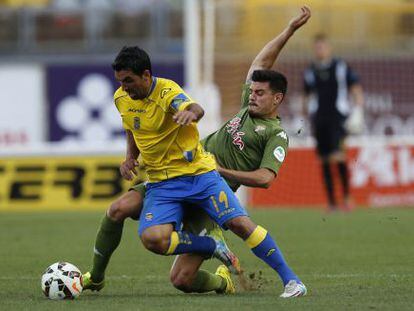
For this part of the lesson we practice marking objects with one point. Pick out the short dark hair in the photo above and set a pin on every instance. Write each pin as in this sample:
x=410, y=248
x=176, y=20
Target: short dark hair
x=132, y=58
x=277, y=81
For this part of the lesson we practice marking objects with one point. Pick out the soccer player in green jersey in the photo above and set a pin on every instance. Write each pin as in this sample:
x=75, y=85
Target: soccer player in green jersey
x=255, y=147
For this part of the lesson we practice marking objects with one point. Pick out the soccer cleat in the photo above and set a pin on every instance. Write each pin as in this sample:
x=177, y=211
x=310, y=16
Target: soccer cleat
x=348, y=205
x=294, y=289
x=224, y=272
x=89, y=284
x=223, y=253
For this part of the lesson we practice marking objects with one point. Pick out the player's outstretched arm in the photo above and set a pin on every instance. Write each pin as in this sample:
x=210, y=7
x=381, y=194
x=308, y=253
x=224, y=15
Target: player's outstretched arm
x=260, y=178
x=193, y=113
x=268, y=55
x=132, y=153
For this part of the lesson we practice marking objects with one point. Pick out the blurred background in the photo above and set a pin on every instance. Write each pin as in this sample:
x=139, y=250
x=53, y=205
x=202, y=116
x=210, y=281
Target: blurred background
x=61, y=140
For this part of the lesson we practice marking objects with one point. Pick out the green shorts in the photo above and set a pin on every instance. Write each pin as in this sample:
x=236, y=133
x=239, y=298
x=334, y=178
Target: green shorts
x=195, y=219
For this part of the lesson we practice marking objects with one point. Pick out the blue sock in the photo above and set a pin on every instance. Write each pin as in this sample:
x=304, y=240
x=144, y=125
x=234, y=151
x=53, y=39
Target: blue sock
x=264, y=247
x=182, y=242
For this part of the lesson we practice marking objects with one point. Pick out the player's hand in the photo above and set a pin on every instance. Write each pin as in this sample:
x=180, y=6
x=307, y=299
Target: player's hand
x=301, y=19
x=185, y=117
x=127, y=168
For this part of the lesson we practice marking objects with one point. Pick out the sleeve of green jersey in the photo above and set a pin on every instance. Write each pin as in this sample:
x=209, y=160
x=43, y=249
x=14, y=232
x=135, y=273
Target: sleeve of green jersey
x=245, y=95
x=275, y=151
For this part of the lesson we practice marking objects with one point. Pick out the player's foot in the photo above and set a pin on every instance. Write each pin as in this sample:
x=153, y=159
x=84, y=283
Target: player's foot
x=331, y=208
x=348, y=205
x=223, y=253
x=89, y=284
x=294, y=289
x=224, y=272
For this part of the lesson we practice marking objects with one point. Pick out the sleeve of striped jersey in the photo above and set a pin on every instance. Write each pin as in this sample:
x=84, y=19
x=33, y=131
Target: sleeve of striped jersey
x=275, y=152
x=245, y=95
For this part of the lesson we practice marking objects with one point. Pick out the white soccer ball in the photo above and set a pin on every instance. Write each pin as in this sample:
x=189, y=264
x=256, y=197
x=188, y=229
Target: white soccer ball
x=62, y=280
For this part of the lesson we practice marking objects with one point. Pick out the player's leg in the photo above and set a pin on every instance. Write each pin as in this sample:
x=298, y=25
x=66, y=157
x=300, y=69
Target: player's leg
x=110, y=232
x=164, y=239
x=324, y=141
x=328, y=181
x=186, y=276
x=185, y=273
x=223, y=206
x=264, y=247
x=338, y=158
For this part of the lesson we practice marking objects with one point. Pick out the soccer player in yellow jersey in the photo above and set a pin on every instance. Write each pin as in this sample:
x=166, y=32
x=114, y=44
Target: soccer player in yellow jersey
x=160, y=122
x=159, y=118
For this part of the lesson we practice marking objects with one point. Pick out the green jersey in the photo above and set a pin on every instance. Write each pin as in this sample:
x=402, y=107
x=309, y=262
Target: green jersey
x=246, y=144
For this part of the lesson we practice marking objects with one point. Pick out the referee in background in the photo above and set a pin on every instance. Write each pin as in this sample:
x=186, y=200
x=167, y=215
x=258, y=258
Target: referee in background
x=329, y=83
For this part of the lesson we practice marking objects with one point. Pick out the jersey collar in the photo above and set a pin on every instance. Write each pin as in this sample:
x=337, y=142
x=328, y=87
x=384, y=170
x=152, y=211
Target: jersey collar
x=153, y=84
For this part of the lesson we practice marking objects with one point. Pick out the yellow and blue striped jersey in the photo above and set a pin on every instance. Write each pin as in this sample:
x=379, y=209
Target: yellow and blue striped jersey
x=168, y=149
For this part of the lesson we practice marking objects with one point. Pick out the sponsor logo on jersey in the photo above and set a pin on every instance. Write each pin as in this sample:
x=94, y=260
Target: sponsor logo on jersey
x=233, y=129
x=279, y=153
x=259, y=128
x=283, y=135
x=165, y=91
x=136, y=110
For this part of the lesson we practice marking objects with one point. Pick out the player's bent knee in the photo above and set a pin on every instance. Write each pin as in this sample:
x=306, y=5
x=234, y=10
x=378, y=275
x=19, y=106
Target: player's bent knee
x=115, y=211
x=181, y=280
x=155, y=242
x=122, y=209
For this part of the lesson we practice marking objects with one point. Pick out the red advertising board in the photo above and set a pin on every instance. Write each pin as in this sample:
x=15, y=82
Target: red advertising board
x=380, y=175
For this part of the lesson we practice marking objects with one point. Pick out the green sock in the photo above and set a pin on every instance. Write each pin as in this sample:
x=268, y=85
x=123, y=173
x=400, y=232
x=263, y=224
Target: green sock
x=207, y=282
x=107, y=240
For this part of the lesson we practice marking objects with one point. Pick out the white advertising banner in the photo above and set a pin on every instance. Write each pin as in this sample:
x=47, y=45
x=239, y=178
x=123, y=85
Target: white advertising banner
x=22, y=116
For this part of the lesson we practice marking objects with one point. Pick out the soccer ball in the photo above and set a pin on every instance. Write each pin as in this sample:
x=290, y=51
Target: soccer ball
x=62, y=280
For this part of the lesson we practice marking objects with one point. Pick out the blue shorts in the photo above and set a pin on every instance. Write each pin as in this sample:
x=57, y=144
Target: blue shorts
x=164, y=201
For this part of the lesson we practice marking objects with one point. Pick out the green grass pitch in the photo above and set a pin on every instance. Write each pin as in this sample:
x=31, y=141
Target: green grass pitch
x=363, y=260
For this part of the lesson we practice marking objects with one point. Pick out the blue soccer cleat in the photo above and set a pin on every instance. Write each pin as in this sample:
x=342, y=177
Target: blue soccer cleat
x=223, y=253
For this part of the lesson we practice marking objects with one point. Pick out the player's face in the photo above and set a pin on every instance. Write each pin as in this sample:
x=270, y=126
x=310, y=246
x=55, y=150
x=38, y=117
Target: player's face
x=135, y=85
x=322, y=50
x=263, y=101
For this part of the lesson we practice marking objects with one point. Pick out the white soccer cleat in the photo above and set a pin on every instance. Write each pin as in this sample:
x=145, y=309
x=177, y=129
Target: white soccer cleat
x=294, y=289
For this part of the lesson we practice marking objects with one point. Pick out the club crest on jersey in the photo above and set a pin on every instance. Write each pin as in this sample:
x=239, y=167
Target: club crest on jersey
x=137, y=123
x=164, y=91
x=233, y=129
x=149, y=216
x=279, y=153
